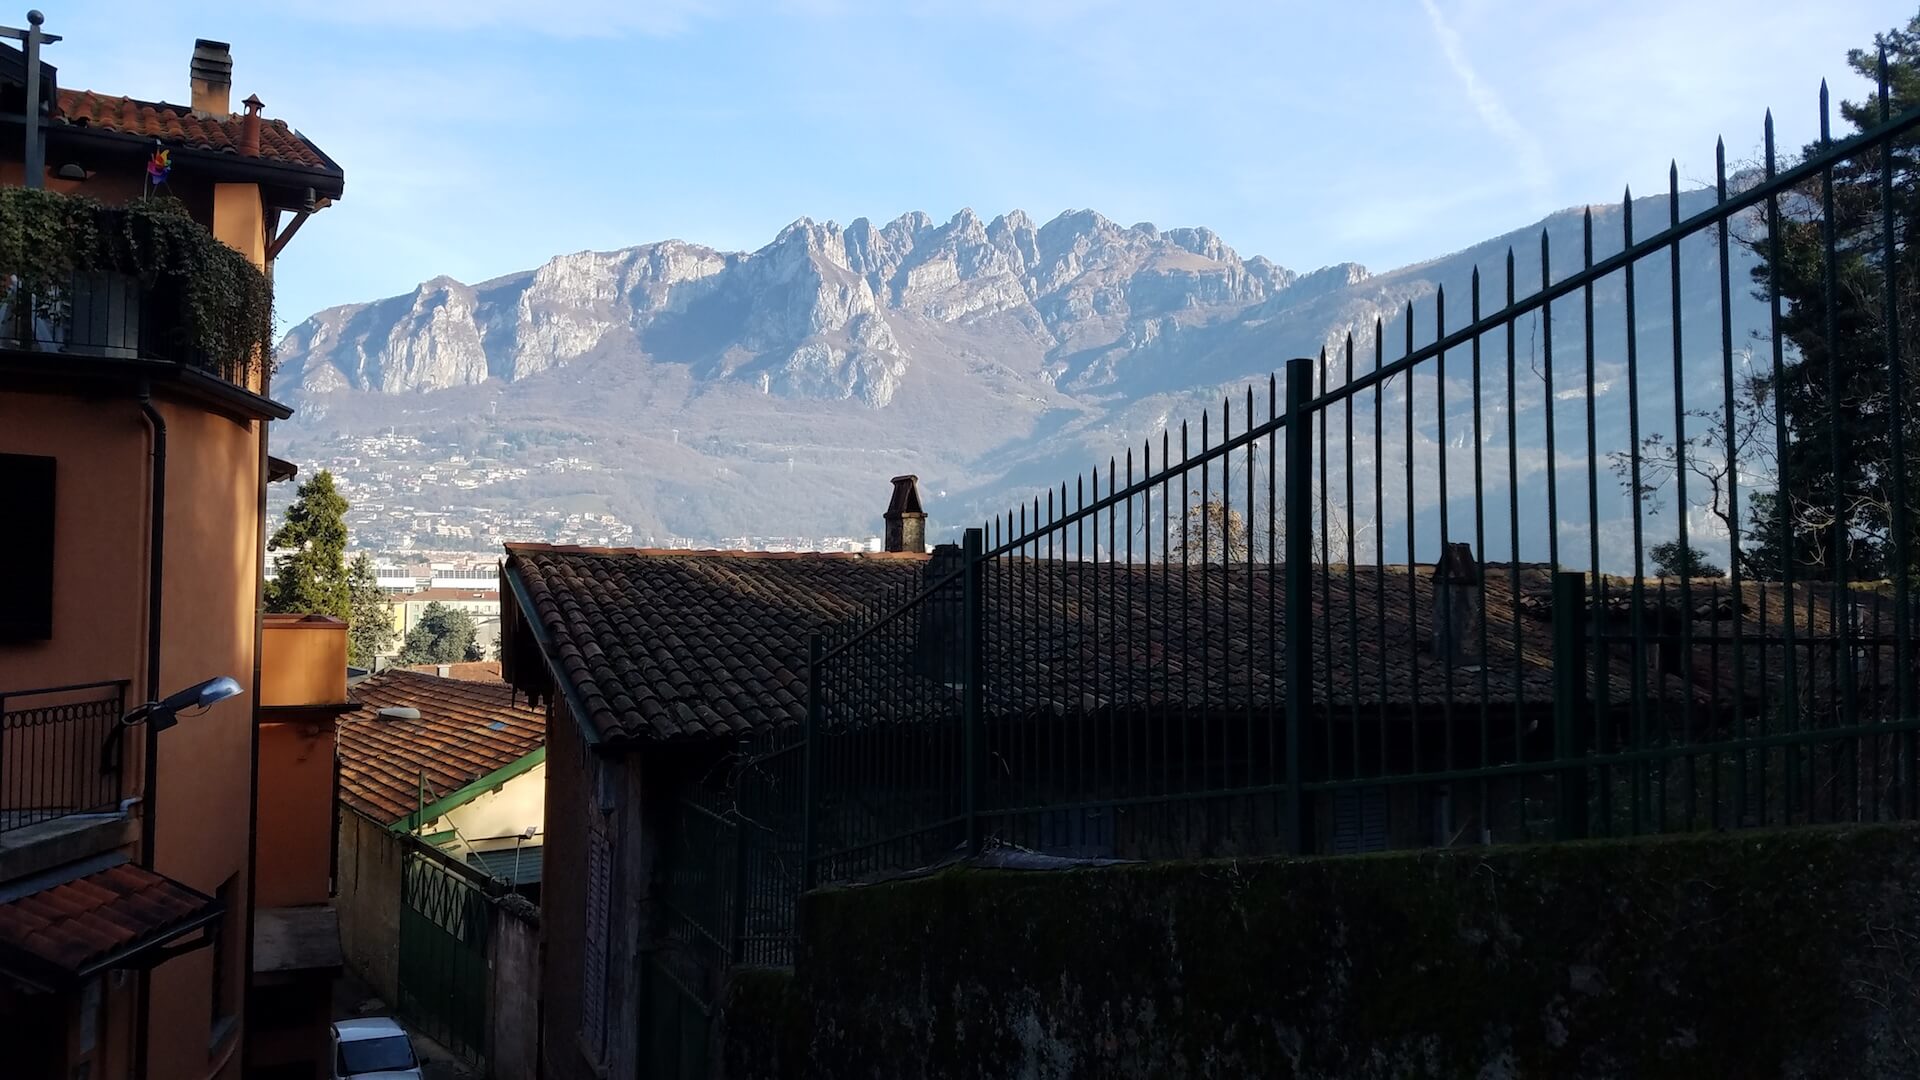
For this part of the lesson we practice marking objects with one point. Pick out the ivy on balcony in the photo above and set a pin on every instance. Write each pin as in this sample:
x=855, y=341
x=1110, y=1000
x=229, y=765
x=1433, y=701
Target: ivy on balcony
x=205, y=303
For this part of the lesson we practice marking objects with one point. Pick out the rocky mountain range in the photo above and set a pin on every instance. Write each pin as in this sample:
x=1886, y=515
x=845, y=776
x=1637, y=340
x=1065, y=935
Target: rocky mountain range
x=775, y=391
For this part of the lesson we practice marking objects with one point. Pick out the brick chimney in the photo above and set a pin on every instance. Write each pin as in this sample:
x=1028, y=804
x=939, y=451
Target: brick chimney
x=211, y=78
x=250, y=127
x=1456, y=606
x=906, y=522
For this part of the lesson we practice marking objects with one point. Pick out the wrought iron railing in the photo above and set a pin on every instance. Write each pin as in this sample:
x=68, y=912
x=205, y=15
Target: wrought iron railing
x=112, y=316
x=62, y=752
x=1460, y=595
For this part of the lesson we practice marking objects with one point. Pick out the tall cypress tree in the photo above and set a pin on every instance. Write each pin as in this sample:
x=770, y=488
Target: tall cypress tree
x=370, y=621
x=310, y=571
x=1833, y=514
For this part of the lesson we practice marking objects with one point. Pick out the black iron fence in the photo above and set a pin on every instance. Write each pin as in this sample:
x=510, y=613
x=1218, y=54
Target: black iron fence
x=62, y=752
x=1629, y=549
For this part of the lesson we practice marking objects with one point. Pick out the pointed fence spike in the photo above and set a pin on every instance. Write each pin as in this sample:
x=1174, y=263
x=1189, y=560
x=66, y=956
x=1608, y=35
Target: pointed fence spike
x=1880, y=82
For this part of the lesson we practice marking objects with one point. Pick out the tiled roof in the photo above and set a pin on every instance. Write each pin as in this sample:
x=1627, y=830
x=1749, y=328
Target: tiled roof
x=667, y=645
x=91, y=921
x=471, y=670
x=681, y=645
x=466, y=730
x=176, y=125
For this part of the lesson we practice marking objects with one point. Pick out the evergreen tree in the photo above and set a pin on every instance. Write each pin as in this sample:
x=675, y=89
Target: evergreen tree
x=1833, y=513
x=443, y=635
x=310, y=571
x=370, y=624
x=1677, y=560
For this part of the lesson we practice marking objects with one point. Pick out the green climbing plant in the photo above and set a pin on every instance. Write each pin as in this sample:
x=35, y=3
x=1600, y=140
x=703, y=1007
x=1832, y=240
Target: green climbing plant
x=222, y=304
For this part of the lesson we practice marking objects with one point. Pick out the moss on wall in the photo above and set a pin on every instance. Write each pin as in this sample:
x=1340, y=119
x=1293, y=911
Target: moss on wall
x=1791, y=954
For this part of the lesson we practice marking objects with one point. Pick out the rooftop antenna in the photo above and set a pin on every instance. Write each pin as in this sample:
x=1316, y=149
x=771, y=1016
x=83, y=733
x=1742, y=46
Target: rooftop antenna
x=32, y=38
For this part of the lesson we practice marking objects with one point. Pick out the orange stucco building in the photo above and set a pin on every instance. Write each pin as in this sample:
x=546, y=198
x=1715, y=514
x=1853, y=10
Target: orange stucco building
x=133, y=472
x=296, y=931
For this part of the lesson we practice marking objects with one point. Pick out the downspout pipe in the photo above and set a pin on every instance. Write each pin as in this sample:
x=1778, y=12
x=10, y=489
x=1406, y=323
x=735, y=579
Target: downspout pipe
x=156, y=548
x=253, y=745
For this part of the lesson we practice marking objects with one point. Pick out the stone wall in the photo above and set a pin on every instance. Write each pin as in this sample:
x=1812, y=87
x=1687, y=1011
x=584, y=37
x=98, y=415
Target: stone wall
x=1789, y=954
x=513, y=955
x=369, y=902
x=368, y=899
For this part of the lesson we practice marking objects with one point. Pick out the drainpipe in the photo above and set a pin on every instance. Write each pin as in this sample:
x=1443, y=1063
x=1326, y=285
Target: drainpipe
x=156, y=544
x=253, y=749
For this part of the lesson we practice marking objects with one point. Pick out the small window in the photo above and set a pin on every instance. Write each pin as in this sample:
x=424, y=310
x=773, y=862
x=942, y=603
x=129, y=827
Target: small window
x=26, y=548
x=1359, y=820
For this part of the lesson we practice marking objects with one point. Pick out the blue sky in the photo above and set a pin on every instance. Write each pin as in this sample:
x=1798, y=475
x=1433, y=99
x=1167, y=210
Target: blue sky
x=483, y=136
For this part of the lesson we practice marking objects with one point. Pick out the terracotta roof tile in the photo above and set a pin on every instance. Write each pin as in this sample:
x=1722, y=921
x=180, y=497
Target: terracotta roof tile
x=466, y=730
x=470, y=670
x=178, y=126
x=75, y=925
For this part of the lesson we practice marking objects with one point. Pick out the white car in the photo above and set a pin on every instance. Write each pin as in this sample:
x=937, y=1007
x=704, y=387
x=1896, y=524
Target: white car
x=374, y=1048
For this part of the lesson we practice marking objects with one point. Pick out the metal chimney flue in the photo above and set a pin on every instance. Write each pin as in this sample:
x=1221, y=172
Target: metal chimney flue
x=906, y=521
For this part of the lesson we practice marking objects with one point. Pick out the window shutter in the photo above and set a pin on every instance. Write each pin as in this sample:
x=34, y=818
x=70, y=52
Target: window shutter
x=593, y=968
x=1359, y=820
x=26, y=548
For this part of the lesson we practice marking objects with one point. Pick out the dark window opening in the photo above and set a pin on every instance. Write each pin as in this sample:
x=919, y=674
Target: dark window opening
x=26, y=548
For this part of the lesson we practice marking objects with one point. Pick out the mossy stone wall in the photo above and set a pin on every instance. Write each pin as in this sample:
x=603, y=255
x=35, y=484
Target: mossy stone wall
x=1770, y=954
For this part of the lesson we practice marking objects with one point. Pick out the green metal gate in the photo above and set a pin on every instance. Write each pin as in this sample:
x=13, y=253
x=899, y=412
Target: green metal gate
x=443, y=954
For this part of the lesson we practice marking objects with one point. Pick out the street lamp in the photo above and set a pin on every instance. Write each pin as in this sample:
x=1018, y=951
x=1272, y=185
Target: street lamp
x=163, y=714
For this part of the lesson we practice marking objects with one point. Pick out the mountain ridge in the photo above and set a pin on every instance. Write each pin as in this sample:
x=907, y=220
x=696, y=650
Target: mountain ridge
x=719, y=392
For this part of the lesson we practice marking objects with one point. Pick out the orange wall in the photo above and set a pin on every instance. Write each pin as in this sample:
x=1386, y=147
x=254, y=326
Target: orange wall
x=102, y=451
x=100, y=538
x=303, y=660
x=240, y=222
x=211, y=574
x=296, y=813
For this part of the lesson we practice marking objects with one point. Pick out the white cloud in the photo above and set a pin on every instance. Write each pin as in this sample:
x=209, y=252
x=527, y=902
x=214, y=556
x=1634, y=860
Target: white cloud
x=1528, y=153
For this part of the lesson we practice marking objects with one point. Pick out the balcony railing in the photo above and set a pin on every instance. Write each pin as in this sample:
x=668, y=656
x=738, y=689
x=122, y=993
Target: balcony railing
x=111, y=315
x=61, y=753
x=143, y=281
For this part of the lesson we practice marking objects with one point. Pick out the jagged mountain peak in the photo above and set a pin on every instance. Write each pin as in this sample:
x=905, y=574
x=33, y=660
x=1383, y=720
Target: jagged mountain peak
x=836, y=298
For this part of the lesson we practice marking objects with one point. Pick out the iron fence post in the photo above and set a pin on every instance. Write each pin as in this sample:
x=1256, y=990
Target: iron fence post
x=1299, y=552
x=973, y=740
x=809, y=763
x=1569, y=686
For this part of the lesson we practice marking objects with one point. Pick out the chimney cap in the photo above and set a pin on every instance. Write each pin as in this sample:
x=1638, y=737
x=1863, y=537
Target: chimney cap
x=906, y=496
x=253, y=103
x=209, y=43
x=1457, y=566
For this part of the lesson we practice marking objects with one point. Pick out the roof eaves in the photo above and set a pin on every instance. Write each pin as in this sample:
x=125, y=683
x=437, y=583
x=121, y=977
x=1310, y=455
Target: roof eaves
x=555, y=670
x=462, y=796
